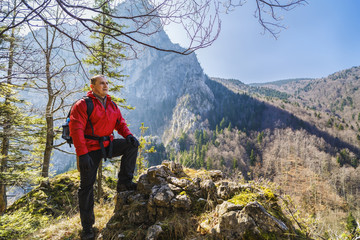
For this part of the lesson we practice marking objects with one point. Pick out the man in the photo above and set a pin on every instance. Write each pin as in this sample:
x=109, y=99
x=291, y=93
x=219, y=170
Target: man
x=93, y=141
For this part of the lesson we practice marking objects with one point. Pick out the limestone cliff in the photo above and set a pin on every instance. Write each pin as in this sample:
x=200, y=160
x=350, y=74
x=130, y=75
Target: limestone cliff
x=168, y=90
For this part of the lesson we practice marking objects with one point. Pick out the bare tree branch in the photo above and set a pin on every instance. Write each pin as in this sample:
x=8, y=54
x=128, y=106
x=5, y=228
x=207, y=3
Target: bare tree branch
x=199, y=19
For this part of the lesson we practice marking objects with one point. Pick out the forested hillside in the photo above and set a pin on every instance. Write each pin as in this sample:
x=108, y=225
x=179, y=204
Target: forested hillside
x=334, y=98
x=259, y=132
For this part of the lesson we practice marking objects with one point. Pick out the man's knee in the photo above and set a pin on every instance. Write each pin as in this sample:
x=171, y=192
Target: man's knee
x=86, y=183
x=85, y=188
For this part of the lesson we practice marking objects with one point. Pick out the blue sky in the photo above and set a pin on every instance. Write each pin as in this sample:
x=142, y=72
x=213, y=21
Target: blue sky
x=321, y=38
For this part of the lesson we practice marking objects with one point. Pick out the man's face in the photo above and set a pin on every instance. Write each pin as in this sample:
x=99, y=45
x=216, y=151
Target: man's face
x=101, y=87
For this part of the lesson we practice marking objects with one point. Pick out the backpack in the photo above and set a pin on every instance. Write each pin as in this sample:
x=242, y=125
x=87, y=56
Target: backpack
x=65, y=128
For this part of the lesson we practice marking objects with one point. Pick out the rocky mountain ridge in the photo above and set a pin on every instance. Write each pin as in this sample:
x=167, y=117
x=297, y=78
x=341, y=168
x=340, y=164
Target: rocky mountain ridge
x=335, y=94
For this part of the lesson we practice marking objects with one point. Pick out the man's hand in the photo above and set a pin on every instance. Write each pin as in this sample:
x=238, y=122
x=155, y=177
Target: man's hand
x=132, y=140
x=85, y=162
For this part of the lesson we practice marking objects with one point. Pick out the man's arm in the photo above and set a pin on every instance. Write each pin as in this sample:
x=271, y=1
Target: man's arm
x=78, y=120
x=121, y=126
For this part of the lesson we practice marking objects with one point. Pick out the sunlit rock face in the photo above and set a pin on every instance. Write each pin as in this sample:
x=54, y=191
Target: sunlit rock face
x=168, y=90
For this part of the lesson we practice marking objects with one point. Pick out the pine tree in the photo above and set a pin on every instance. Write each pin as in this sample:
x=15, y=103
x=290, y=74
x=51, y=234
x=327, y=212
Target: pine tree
x=105, y=59
x=183, y=141
x=351, y=223
x=229, y=127
x=252, y=157
x=107, y=55
x=235, y=163
x=209, y=163
x=222, y=123
x=17, y=130
x=20, y=136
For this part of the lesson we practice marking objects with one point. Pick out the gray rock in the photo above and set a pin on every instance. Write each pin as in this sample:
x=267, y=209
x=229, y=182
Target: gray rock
x=234, y=225
x=216, y=175
x=136, y=198
x=180, y=182
x=252, y=220
x=158, y=174
x=174, y=167
x=208, y=186
x=201, y=201
x=174, y=188
x=223, y=190
x=181, y=201
x=161, y=196
x=264, y=219
x=153, y=232
x=144, y=186
x=121, y=200
x=136, y=213
x=194, y=186
x=227, y=207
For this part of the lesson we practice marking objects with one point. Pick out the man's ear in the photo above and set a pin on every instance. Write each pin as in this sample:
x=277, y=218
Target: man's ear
x=91, y=86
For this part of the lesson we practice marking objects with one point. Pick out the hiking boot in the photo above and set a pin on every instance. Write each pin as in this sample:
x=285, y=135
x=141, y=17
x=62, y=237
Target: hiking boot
x=87, y=234
x=126, y=187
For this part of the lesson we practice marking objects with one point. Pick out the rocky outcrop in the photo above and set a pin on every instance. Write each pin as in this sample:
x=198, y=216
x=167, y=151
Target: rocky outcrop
x=168, y=90
x=175, y=203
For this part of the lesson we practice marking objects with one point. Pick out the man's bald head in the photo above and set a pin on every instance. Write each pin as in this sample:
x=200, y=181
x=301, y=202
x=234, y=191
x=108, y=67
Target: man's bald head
x=95, y=78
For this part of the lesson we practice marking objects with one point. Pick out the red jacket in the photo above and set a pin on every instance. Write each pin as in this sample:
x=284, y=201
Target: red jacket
x=103, y=121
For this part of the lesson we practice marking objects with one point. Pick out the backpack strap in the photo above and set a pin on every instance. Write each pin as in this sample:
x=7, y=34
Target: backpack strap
x=89, y=106
x=89, y=110
x=114, y=104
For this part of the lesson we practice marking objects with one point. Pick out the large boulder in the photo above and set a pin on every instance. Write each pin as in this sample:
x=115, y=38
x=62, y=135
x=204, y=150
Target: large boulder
x=250, y=222
x=172, y=202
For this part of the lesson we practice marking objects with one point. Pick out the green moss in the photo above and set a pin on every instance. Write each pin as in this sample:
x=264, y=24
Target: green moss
x=39, y=194
x=243, y=198
x=20, y=224
x=44, y=203
x=269, y=194
x=187, y=178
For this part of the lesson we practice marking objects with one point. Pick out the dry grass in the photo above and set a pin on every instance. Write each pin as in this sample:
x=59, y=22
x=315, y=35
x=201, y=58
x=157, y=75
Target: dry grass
x=200, y=173
x=70, y=227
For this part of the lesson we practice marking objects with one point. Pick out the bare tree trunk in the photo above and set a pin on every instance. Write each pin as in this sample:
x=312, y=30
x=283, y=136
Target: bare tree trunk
x=100, y=170
x=6, y=128
x=4, y=153
x=48, y=112
x=49, y=128
x=99, y=180
x=49, y=141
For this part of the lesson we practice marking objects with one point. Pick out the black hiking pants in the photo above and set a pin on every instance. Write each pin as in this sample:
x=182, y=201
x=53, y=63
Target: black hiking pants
x=87, y=178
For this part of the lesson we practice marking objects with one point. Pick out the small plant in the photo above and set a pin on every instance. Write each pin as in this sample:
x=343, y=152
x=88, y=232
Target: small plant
x=141, y=162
